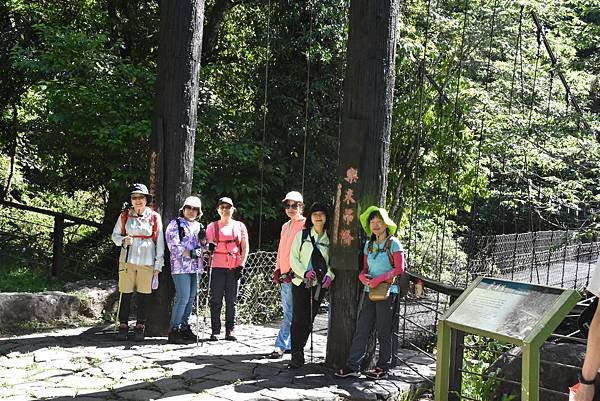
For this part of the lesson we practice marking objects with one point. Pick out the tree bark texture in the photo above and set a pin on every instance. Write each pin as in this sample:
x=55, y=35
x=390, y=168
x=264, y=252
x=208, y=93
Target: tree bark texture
x=364, y=155
x=174, y=128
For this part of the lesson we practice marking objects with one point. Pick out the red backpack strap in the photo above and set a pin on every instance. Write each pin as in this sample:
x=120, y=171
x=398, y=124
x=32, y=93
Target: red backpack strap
x=124, y=215
x=388, y=250
x=154, y=222
x=216, y=230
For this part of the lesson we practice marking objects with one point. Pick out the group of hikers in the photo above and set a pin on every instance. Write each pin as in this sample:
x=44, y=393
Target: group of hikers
x=302, y=271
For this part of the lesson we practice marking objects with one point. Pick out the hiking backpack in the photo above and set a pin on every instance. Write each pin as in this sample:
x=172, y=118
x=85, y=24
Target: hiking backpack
x=402, y=279
x=153, y=223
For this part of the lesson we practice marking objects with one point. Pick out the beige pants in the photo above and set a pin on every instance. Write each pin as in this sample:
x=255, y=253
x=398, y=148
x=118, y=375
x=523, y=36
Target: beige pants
x=135, y=277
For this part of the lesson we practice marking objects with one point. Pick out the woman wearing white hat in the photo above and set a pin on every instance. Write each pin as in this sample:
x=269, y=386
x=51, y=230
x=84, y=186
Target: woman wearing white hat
x=293, y=205
x=185, y=238
x=138, y=232
x=230, y=239
x=383, y=262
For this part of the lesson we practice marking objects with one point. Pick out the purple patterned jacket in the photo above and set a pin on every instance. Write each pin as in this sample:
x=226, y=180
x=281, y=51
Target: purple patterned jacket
x=183, y=264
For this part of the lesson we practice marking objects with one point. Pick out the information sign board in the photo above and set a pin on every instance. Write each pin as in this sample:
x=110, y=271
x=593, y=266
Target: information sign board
x=505, y=307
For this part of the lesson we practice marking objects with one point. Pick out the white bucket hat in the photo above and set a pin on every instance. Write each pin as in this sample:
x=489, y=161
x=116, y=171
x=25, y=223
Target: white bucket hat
x=192, y=201
x=293, y=196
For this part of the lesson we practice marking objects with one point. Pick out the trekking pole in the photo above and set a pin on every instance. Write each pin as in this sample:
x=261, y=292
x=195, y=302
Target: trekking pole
x=118, y=311
x=197, y=304
x=210, y=262
x=120, y=293
x=312, y=319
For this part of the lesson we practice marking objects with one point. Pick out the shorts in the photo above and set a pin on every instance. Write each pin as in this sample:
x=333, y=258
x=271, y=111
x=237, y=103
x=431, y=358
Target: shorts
x=135, y=277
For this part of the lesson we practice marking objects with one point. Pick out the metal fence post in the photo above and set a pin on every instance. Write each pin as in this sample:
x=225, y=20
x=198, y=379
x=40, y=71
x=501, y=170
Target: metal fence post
x=57, y=245
x=457, y=343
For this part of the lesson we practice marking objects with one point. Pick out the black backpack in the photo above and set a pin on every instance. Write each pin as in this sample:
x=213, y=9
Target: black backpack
x=181, y=231
x=317, y=259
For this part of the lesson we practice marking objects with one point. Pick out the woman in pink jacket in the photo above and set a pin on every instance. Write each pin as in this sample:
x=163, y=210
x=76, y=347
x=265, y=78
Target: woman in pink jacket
x=293, y=204
x=229, y=258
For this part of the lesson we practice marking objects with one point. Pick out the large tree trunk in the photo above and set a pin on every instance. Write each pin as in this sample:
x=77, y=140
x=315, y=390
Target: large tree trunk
x=174, y=127
x=364, y=155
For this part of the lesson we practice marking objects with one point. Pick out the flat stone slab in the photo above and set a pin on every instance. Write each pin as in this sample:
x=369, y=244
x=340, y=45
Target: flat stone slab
x=88, y=364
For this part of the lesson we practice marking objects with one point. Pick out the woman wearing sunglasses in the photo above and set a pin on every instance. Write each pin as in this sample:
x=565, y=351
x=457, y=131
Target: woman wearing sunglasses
x=138, y=232
x=186, y=239
x=230, y=239
x=293, y=205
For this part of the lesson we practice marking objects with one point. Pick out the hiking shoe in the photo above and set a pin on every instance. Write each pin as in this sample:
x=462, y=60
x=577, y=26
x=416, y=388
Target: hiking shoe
x=122, y=333
x=297, y=361
x=138, y=333
x=213, y=337
x=230, y=337
x=175, y=337
x=274, y=355
x=377, y=373
x=187, y=334
x=295, y=364
x=347, y=372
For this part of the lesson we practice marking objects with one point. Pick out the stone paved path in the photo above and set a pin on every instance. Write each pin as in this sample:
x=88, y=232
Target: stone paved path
x=88, y=364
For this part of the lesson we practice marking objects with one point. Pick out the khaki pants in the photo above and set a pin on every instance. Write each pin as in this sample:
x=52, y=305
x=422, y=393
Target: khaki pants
x=135, y=277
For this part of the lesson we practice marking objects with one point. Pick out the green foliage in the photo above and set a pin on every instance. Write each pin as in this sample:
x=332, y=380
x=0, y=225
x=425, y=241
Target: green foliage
x=478, y=381
x=18, y=278
x=435, y=252
x=255, y=161
x=501, y=152
x=86, y=103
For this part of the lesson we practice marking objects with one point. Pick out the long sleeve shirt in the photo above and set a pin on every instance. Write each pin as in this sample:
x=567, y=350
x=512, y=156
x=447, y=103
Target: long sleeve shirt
x=286, y=238
x=180, y=263
x=232, y=246
x=143, y=250
x=300, y=255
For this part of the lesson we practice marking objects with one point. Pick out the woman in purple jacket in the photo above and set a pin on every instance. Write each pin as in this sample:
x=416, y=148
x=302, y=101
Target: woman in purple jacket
x=186, y=239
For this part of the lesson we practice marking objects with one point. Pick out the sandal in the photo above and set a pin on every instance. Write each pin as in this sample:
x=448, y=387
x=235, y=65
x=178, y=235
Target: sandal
x=377, y=373
x=347, y=372
x=274, y=355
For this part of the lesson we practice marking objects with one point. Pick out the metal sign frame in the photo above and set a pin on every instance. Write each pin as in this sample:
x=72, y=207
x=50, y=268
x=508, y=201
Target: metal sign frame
x=530, y=369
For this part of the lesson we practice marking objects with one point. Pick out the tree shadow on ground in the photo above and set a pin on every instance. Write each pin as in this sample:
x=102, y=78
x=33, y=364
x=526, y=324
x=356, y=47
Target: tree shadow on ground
x=199, y=373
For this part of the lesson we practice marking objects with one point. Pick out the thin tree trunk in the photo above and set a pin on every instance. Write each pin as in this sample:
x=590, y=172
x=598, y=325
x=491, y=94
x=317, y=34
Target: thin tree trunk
x=174, y=127
x=364, y=155
x=13, y=151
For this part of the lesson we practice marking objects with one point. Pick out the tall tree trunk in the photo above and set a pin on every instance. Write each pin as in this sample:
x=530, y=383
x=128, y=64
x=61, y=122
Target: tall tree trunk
x=174, y=127
x=364, y=155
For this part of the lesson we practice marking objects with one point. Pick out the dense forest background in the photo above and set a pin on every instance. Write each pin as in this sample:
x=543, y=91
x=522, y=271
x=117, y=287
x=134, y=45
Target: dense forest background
x=486, y=139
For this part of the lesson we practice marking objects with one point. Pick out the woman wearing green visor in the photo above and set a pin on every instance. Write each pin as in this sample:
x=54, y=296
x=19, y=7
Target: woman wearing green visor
x=383, y=262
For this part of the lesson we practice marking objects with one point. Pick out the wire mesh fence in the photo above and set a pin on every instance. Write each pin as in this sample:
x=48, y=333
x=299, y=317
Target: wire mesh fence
x=556, y=258
x=258, y=300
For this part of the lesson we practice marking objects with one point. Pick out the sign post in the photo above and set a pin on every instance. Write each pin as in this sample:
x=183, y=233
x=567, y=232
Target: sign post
x=518, y=313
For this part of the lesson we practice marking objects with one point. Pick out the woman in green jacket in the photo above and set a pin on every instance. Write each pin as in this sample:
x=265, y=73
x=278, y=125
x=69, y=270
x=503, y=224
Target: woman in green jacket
x=312, y=275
